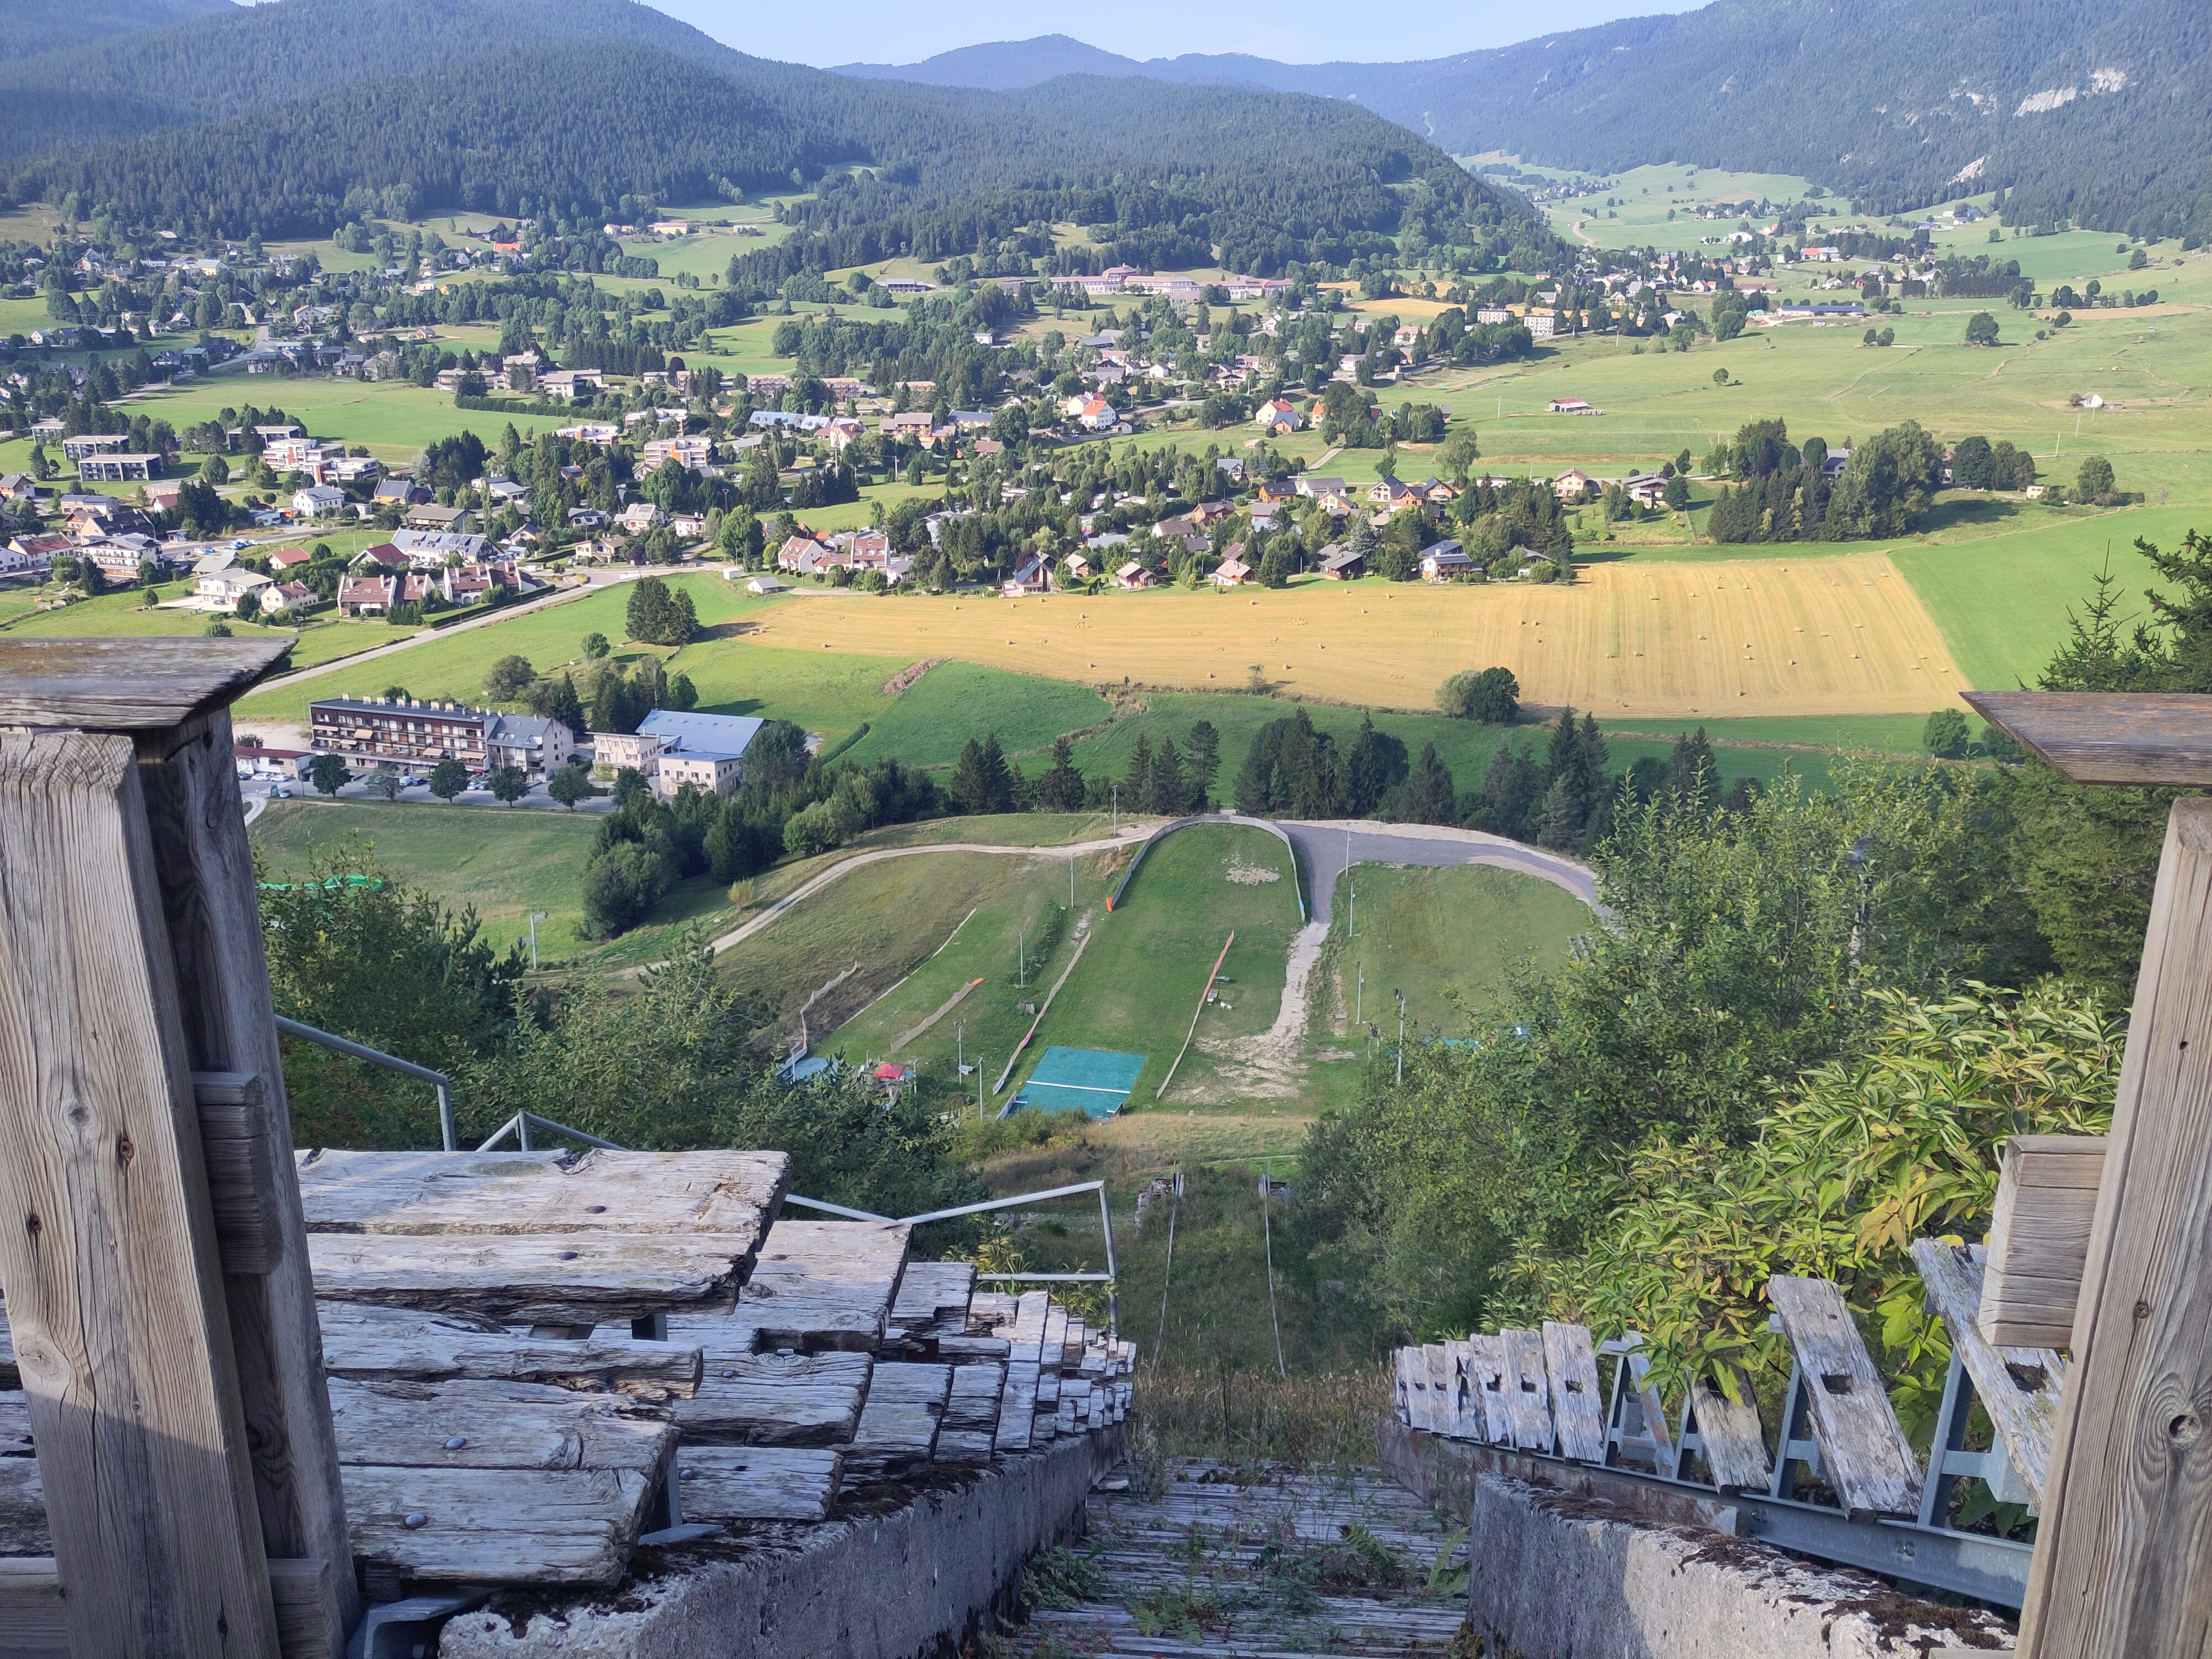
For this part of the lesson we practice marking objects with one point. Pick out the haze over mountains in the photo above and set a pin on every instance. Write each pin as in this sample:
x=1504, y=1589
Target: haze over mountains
x=2099, y=111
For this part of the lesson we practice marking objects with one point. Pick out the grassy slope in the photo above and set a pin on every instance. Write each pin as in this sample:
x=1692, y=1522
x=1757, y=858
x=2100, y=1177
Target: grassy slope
x=123, y=615
x=1444, y=937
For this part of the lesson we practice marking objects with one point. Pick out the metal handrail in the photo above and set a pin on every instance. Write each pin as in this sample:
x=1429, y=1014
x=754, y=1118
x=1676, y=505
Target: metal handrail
x=390, y=1062
x=522, y=1123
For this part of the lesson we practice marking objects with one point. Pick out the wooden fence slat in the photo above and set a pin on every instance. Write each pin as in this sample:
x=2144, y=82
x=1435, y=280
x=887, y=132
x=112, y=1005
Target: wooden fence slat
x=1863, y=1451
x=1467, y=1407
x=1489, y=1351
x=2120, y=1567
x=2018, y=1387
x=2039, y=1240
x=1730, y=1437
x=1570, y=1362
x=1526, y=1390
x=113, y=1273
x=1437, y=1358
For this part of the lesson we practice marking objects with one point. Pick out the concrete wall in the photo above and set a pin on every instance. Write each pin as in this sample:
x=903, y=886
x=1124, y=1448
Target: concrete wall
x=908, y=1581
x=1565, y=1574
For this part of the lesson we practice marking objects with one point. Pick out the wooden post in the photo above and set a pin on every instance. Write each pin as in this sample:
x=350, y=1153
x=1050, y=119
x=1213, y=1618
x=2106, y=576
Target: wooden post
x=108, y=1253
x=177, y=1395
x=2122, y=1566
x=206, y=868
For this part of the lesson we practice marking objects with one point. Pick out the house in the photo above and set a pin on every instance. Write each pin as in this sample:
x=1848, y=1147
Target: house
x=285, y=560
x=414, y=733
x=280, y=597
x=1571, y=406
x=1078, y=567
x=1574, y=485
x=804, y=555
x=1314, y=488
x=18, y=487
x=706, y=751
x=571, y=384
x=1031, y=575
x=1134, y=575
x=641, y=516
x=587, y=517
x=1390, y=494
x=366, y=596
x=428, y=515
x=1646, y=490
x=227, y=587
x=318, y=498
x=399, y=492
x=1342, y=563
x=764, y=585
x=285, y=763
x=1443, y=560
x=1098, y=416
x=1437, y=493
x=688, y=525
x=1278, y=416
x=380, y=559
x=34, y=552
x=1232, y=572
x=119, y=468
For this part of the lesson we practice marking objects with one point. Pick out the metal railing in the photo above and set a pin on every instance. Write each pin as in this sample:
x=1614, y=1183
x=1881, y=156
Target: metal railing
x=390, y=1062
x=522, y=1123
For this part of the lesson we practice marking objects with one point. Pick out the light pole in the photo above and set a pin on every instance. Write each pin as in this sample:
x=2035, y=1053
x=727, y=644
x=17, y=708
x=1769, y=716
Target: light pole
x=1400, y=995
x=1117, y=809
x=536, y=916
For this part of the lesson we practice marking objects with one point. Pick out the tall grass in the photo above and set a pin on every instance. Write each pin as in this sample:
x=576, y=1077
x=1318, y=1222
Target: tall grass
x=1324, y=1421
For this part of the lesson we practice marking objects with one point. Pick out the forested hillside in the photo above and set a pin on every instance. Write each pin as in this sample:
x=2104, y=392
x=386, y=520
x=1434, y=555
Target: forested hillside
x=32, y=27
x=2096, y=111
x=253, y=124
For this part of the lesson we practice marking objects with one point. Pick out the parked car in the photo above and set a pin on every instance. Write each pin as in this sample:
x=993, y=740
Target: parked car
x=278, y=791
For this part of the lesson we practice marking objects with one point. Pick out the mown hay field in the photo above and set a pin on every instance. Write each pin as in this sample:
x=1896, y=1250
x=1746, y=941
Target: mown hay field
x=1810, y=636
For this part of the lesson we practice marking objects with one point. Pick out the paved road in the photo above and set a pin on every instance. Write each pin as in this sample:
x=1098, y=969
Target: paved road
x=1323, y=845
x=556, y=596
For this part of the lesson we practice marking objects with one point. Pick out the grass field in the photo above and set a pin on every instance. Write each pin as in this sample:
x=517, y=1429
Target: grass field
x=125, y=615
x=1444, y=937
x=1816, y=635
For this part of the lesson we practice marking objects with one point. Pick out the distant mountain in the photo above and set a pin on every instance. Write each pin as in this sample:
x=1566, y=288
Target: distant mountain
x=2100, y=111
x=32, y=27
x=1002, y=65
x=294, y=117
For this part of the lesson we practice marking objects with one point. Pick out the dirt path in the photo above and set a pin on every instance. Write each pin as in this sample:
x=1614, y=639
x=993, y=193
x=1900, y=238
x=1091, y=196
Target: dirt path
x=1250, y=1563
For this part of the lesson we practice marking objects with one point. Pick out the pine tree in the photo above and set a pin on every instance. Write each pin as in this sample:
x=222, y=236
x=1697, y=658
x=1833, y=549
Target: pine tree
x=997, y=783
x=1372, y=769
x=1202, y=762
x=1060, y=788
x=1427, y=795
x=1137, y=779
x=563, y=705
x=1558, y=824
x=1692, y=776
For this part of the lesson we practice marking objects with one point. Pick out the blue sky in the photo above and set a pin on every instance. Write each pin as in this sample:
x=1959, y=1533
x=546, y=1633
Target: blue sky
x=1293, y=31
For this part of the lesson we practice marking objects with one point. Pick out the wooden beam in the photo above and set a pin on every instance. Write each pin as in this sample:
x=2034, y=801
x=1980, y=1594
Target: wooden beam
x=1571, y=1362
x=1526, y=1389
x=211, y=900
x=368, y=1344
x=32, y=1624
x=128, y=685
x=2039, y=1240
x=2123, y=1554
x=2018, y=1387
x=757, y=1483
x=2095, y=737
x=1863, y=1451
x=107, y=1239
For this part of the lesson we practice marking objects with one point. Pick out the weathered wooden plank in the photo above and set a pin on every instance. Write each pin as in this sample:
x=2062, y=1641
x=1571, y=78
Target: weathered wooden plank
x=496, y=1426
x=777, y=1400
x=1570, y=1363
x=15, y=1424
x=898, y=1426
x=757, y=1483
x=127, y=685
x=1863, y=1451
x=1442, y=1416
x=11, y=1377
x=116, y=1295
x=973, y=1350
x=33, y=1625
x=2038, y=1239
x=367, y=1343
x=536, y=1278
x=497, y=1526
x=1730, y=1437
x=2121, y=1566
x=2092, y=737
x=974, y=1403
x=821, y=1285
x=241, y=1171
x=2018, y=1387
x=1526, y=1389
x=963, y=1446
x=23, y=1529
x=933, y=1297
x=1017, y=1405
x=731, y=1195
x=1489, y=1353
x=1401, y=1387
x=211, y=897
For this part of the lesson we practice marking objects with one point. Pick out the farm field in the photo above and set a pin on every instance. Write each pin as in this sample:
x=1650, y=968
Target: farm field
x=1444, y=937
x=1817, y=635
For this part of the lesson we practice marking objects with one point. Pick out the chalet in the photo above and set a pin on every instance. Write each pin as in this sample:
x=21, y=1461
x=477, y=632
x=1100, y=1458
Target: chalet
x=1031, y=575
x=1342, y=563
x=1437, y=493
x=804, y=555
x=32, y=552
x=1078, y=567
x=18, y=487
x=1232, y=572
x=1443, y=561
x=641, y=516
x=399, y=492
x=227, y=587
x=365, y=596
x=1646, y=490
x=1392, y=494
x=1574, y=485
x=1278, y=416
x=1315, y=488
x=1134, y=575
x=428, y=515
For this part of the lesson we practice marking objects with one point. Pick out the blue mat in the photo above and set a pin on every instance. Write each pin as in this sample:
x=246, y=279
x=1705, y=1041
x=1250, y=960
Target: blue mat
x=1091, y=1081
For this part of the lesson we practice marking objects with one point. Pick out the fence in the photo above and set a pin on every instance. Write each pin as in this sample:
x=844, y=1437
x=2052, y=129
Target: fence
x=1864, y=1498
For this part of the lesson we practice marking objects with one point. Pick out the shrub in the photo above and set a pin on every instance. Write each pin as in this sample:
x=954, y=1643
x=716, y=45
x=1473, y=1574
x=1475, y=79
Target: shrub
x=1491, y=695
x=1946, y=734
